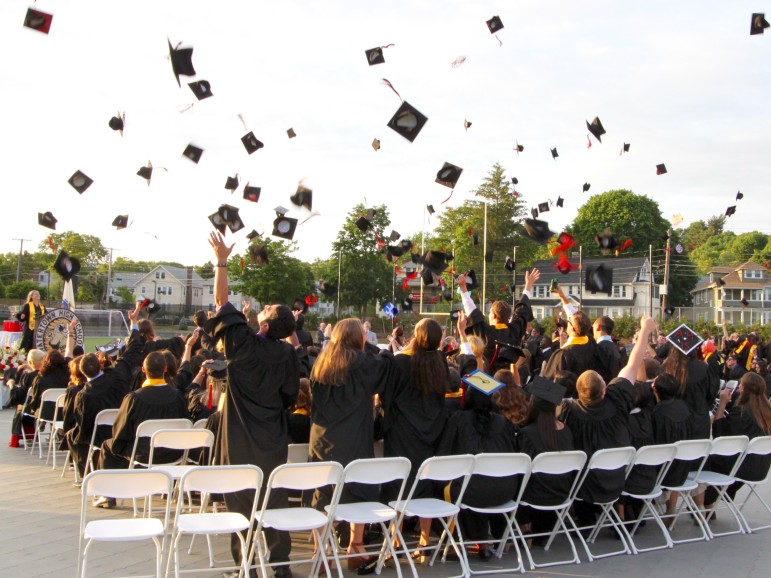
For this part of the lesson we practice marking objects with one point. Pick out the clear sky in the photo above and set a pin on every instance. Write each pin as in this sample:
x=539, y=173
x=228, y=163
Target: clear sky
x=683, y=82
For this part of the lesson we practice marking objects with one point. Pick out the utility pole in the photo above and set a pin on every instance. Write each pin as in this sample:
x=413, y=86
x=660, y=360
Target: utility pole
x=18, y=263
x=484, y=267
x=514, y=276
x=665, y=286
x=339, y=271
x=650, y=280
x=109, y=278
x=580, y=275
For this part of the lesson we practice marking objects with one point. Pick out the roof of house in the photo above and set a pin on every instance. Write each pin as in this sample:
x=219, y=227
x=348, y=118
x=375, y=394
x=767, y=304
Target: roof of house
x=730, y=276
x=625, y=270
x=177, y=273
x=125, y=278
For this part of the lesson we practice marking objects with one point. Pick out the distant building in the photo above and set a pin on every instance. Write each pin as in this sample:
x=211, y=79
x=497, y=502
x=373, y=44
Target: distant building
x=741, y=293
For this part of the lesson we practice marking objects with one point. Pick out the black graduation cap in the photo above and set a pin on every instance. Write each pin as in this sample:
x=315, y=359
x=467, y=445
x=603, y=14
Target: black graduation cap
x=230, y=217
x=299, y=304
x=685, y=339
x=430, y=209
x=407, y=304
x=448, y=175
x=474, y=239
x=253, y=234
x=303, y=197
x=606, y=242
x=117, y=122
x=519, y=148
x=376, y=144
x=258, y=253
x=80, y=181
x=661, y=169
x=394, y=236
x=543, y=207
x=534, y=212
x=546, y=389
x=586, y=187
x=252, y=193
x=201, y=89
x=40, y=21
x=730, y=210
x=427, y=275
x=757, y=25
x=406, y=244
x=669, y=311
x=375, y=56
x=364, y=222
x=466, y=124
x=494, y=24
x=596, y=128
x=327, y=288
x=393, y=252
x=744, y=302
x=626, y=147
x=560, y=201
x=218, y=222
x=471, y=280
x=181, y=61
x=121, y=221
x=66, y=266
x=146, y=172
x=435, y=261
x=193, y=153
x=46, y=220
x=720, y=282
x=283, y=226
x=408, y=121
x=514, y=181
x=554, y=153
x=251, y=143
x=739, y=196
x=231, y=183
x=510, y=264
x=489, y=256
x=599, y=279
x=291, y=133
x=538, y=231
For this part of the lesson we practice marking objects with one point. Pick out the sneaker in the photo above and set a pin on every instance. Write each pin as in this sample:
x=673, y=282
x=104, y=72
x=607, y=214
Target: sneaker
x=104, y=502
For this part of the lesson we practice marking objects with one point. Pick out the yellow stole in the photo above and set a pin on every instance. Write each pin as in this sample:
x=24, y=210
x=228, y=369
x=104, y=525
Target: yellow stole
x=577, y=340
x=302, y=411
x=31, y=322
x=153, y=381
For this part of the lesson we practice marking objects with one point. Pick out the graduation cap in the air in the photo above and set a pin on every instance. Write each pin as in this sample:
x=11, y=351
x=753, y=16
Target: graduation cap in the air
x=47, y=220
x=252, y=193
x=625, y=148
x=482, y=382
x=489, y=256
x=563, y=264
x=435, y=261
x=66, y=266
x=586, y=187
x=430, y=209
x=231, y=218
x=193, y=153
x=514, y=181
x=560, y=202
x=599, y=279
x=744, y=302
x=448, y=175
x=407, y=304
x=303, y=197
x=565, y=242
x=661, y=169
x=510, y=264
x=494, y=24
x=394, y=236
x=121, y=221
x=258, y=252
x=596, y=128
x=291, y=133
x=251, y=143
x=466, y=124
x=40, y=21
x=201, y=89
x=720, y=282
x=327, y=288
x=283, y=226
x=150, y=304
x=543, y=207
x=376, y=144
x=739, y=196
x=606, y=242
x=554, y=153
x=758, y=23
x=407, y=121
x=181, y=61
x=546, y=389
x=730, y=210
x=538, y=231
x=231, y=183
x=519, y=148
x=300, y=305
x=375, y=56
x=685, y=339
x=364, y=222
x=80, y=181
x=534, y=212
x=117, y=122
x=218, y=222
x=146, y=172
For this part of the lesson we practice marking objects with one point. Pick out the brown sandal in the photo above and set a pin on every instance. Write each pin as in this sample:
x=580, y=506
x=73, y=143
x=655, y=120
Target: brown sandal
x=355, y=561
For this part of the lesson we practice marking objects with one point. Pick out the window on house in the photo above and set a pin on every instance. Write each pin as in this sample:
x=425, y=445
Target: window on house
x=619, y=290
x=211, y=290
x=169, y=290
x=157, y=274
x=753, y=274
x=540, y=291
x=144, y=290
x=754, y=294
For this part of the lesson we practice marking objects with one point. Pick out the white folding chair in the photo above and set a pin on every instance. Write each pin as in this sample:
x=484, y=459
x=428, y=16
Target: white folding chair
x=304, y=477
x=759, y=446
x=440, y=469
x=379, y=448
x=297, y=453
x=658, y=456
x=124, y=484
x=147, y=428
x=56, y=426
x=695, y=451
x=556, y=463
x=501, y=465
x=374, y=471
x=725, y=446
x=607, y=460
x=215, y=480
x=26, y=413
x=200, y=424
x=179, y=439
x=104, y=419
x=48, y=398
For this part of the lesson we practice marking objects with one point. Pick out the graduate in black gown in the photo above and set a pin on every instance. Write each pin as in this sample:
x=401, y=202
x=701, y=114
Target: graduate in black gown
x=25, y=377
x=299, y=415
x=263, y=372
x=29, y=314
x=698, y=387
x=578, y=354
x=74, y=387
x=53, y=374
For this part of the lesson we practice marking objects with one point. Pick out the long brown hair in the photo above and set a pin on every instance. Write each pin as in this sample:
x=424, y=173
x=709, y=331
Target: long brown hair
x=511, y=400
x=76, y=376
x=428, y=369
x=676, y=365
x=331, y=366
x=753, y=398
x=54, y=361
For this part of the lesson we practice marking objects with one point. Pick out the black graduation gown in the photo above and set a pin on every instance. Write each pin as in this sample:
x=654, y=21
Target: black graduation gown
x=545, y=489
x=608, y=362
x=412, y=423
x=28, y=338
x=511, y=332
x=641, y=478
x=672, y=423
x=740, y=421
x=58, y=378
x=701, y=389
x=574, y=357
x=68, y=412
x=299, y=427
x=600, y=426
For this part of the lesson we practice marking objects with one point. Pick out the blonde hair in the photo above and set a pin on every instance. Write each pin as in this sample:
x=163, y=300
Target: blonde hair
x=35, y=358
x=478, y=349
x=331, y=366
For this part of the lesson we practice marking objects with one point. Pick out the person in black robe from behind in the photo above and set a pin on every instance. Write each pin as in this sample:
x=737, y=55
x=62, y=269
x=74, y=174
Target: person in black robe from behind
x=698, y=388
x=299, y=415
x=608, y=362
x=53, y=375
x=74, y=387
x=25, y=377
x=263, y=373
x=578, y=354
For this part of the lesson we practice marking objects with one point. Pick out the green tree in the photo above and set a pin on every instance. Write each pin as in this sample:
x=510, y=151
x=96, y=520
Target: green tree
x=87, y=248
x=21, y=289
x=206, y=271
x=699, y=232
x=124, y=296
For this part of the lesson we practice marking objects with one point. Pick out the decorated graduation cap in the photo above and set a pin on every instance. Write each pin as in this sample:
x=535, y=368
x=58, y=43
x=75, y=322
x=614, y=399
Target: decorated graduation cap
x=231, y=183
x=192, y=153
x=546, y=389
x=730, y=210
x=390, y=310
x=375, y=56
x=181, y=61
x=364, y=222
x=283, y=226
x=80, y=181
x=146, y=172
x=303, y=197
x=66, y=266
x=757, y=25
x=47, y=220
x=685, y=339
x=482, y=382
x=448, y=175
x=661, y=169
x=121, y=221
x=376, y=144
x=201, y=89
x=538, y=231
x=117, y=122
x=252, y=193
x=586, y=187
x=408, y=121
x=554, y=153
x=599, y=279
x=595, y=127
x=41, y=21
x=251, y=143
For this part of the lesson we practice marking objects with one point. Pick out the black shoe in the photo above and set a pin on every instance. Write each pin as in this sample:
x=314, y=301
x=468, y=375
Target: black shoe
x=484, y=554
x=367, y=567
x=282, y=572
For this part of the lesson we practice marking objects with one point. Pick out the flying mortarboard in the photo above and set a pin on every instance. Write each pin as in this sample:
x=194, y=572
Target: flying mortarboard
x=606, y=241
x=474, y=239
x=596, y=128
x=586, y=187
x=685, y=339
x=407, y=304
x=117, y=122
x=300, y=305
x=560, y=201
x=40, y=21
x=534, y=212
x=599, y=279
x=448, y=175
x=543, y=207
x=510, y=264
x=231, y=183
x=739, y=196
x=546, y=389
x=251, y=143
x=519, y=148
x=66, y=266
x=435, y=261
x=283, y=226
x=150, y=304
x=394, y=236
x=258, y=253
x=489, y=256
x=407, y=121
x=466, y=124
x=375, y=56
x=231, y=218
x=430, y=209
x=121, y=221
x=625, y=148
x=46, y=220
x=554, y=153
x=181, y=61
x=252, y=193
x=661, y=169
x=563, y=264
x=201, y=89
x=80, y=181
x=291, y=133
x=146, y=172
x=376, y=144
x=758, y=23
x=730, y=210
x=327, y=288
x=744, y=302
x=565, y=242
x=494, y=24
x=482, y=382
x=193, y=153
x=303, y=197
x=218, y=222
x=253, y=234
x=538, y=231
x=364, y=222
x=514, y=181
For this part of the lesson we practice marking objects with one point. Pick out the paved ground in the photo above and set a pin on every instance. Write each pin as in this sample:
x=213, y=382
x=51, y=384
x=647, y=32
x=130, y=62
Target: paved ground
x=39, y=521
